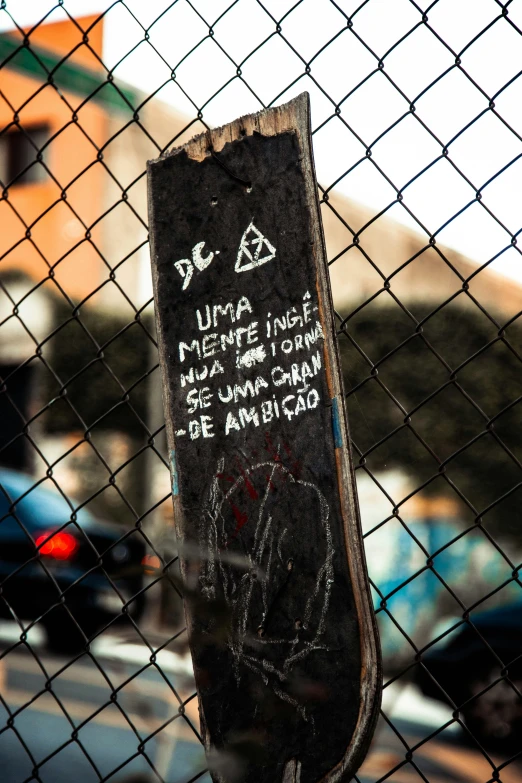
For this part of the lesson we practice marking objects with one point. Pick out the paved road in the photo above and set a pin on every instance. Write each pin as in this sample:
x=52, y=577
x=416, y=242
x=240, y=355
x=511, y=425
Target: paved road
x=62, y=722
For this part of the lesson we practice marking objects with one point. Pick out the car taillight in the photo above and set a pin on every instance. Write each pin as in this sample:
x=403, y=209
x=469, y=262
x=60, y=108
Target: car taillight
x=60, y=546
x=151, y=564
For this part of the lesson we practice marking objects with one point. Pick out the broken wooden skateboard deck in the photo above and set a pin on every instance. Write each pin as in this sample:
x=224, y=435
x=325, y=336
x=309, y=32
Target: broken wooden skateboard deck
x=280, y=622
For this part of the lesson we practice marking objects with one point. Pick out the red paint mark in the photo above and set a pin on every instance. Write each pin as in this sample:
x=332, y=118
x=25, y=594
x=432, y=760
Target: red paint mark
x=248, y=484
x=241, y=516
x=296, y=466
x=225, y=477
x=271, y=448
x=269, y=482
x=252, y=491
x=296, y=469
x=241, y=520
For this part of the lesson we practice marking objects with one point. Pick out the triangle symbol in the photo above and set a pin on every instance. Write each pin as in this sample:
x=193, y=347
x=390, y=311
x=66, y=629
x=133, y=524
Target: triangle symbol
x=254, y=250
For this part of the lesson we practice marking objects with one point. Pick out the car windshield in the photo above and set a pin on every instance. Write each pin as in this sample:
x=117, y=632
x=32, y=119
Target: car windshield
x=41, y=507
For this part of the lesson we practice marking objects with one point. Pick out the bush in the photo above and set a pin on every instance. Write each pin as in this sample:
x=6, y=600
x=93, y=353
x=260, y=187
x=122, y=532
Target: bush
x=449, y=392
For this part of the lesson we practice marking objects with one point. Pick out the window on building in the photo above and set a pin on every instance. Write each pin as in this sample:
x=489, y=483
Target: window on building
x=18, y=150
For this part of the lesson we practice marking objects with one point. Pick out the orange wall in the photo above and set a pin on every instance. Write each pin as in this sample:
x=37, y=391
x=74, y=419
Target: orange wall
x=64, y=37
x=56, y=246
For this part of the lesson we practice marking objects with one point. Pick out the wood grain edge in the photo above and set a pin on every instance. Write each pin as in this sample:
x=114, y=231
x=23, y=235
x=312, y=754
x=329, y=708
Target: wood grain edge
x=268, y=122
x=179, y=516
x=371, y=668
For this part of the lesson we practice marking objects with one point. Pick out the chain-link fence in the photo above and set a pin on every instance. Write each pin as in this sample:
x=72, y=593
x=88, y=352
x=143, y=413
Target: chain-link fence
x=417, y=136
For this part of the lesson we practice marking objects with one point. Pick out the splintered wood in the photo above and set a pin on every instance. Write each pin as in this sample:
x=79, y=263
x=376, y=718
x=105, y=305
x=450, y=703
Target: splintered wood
x=278, y=609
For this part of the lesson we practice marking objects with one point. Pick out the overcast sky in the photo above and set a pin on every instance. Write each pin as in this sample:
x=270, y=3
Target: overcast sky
x=479, y=152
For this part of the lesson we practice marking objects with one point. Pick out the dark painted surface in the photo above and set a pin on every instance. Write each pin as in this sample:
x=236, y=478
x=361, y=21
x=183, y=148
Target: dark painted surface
x=275, y=638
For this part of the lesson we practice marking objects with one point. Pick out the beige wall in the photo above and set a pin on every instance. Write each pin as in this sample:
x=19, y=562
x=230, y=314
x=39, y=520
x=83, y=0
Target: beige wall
x=389, y=245
x=386, y=243
x=123, y=229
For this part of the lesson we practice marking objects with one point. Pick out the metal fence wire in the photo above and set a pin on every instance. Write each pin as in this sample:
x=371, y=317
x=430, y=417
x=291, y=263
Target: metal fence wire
x=417, y=136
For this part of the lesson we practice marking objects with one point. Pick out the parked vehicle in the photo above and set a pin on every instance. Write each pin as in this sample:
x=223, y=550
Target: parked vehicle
x=67, y=569
x=479, y=667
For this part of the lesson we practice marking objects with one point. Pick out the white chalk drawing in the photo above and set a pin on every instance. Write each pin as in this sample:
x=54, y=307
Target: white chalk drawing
x=254, y=240
x=187, y=266
x=240, y=587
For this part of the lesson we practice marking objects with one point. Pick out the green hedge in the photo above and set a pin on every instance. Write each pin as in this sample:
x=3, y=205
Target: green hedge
x=447, y=403
x=98, y=358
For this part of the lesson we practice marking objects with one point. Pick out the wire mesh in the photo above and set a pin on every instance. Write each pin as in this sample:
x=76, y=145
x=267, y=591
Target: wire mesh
x=430, y=341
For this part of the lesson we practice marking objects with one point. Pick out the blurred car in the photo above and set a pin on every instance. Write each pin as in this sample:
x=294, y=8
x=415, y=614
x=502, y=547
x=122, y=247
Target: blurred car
x=69, y=570
x=479, y=667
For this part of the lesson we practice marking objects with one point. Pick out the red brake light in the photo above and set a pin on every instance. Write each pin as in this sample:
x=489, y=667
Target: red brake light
x=151, y=564
x=61, y=546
